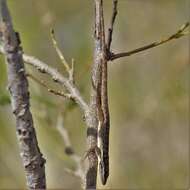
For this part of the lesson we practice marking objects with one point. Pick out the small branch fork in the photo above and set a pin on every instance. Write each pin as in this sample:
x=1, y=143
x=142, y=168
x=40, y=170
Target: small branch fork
x=180, y=33
x=53, y=91
x=112, y=56
x=57, y=77
x=73, y=94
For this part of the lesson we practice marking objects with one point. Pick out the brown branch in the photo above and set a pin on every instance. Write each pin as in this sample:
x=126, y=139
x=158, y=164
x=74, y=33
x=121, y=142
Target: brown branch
x=92, y=117
x=181, y=32
x=53, y=91
x=75, y=94
x=32, y=159
x=57, y=77
x=110, y=29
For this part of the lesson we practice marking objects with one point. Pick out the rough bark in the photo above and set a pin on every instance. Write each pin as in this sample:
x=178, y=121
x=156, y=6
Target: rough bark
x=18, y=86
x=32, y=159
x=92, y=116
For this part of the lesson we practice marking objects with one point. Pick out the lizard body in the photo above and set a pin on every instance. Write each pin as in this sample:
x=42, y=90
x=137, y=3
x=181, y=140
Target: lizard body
x=100, y=87
x=104, y=127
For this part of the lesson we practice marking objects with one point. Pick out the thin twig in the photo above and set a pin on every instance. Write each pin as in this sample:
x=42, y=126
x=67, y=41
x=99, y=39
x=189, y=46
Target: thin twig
x=53, y=91
x=181, y=32
x=110, y=30
x=79, y=171
x=57, y=77
x=69, y=70
x=60, y=54
x=72, y=71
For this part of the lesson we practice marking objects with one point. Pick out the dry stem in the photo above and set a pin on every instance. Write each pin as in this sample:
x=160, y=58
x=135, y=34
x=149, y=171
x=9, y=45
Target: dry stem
x=79, y=171
x=53, y=91
x=180, y=33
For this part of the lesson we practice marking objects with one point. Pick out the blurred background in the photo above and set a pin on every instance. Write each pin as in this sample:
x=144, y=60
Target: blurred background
x=148, y=93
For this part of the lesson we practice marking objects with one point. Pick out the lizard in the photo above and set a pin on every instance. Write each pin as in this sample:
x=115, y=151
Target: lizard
x=99, y=84
x=103, y=108
x=104, y=126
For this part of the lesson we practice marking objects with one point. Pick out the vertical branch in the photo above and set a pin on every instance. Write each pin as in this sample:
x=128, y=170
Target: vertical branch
x=92, y=117
x=92, y=120
x=34, y=163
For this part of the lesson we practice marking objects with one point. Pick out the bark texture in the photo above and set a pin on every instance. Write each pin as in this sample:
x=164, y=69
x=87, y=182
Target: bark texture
x=92, y=119
x=32, y=159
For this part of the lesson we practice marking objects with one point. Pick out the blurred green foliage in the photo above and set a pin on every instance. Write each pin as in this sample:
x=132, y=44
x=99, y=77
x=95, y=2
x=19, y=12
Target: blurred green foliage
x=4, y=99
x=148, y=92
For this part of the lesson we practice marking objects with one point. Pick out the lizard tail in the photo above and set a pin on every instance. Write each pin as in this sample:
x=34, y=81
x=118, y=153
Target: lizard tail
x=104, y=160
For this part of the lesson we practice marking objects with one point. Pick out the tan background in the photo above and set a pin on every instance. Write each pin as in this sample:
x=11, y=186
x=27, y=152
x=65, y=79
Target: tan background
x=148, y=92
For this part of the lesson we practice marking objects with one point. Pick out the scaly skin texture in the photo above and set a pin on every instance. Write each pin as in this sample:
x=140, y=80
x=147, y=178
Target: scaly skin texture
x=104, y=127
x=99, y=100
x=102, y=101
